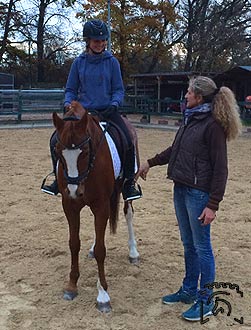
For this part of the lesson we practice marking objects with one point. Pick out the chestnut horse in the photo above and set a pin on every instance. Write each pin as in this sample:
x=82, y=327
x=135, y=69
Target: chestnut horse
x=85, y=175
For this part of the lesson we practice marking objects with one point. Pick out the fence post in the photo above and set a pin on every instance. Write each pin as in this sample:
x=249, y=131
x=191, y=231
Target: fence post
x=20, y=106
x=148, y=111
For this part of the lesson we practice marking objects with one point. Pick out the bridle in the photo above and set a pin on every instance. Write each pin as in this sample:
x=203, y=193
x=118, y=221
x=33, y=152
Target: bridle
x=82, y=176
x=91, y=154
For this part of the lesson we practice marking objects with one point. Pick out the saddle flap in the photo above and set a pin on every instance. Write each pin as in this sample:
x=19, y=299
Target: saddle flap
x=114, y=151
x=118, y=138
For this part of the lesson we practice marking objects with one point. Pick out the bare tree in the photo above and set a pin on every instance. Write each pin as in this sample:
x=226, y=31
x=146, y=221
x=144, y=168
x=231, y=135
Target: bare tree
x=213, y=29
x=38, y=25
x=45, y=19
x=9, y=19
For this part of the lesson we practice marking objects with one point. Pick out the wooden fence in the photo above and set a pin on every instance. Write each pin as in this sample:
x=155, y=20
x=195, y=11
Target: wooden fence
x=17, y=103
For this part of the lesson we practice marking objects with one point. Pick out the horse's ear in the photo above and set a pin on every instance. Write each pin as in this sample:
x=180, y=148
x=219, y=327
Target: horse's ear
x=83, y=121
x=57, y=121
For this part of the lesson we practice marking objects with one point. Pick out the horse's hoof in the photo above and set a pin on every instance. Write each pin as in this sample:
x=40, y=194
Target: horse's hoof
x=68, y=295
x=134, y=261
x=104, y=307
x=91, y=254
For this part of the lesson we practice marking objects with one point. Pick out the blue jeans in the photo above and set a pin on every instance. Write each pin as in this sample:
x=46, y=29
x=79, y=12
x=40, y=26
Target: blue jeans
x=199, y=258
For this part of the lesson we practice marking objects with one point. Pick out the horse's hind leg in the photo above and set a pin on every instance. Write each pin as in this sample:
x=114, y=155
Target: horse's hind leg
x=133, y=252
x=71, y=290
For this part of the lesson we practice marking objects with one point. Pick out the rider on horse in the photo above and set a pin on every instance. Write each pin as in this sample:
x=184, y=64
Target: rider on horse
x=95, y=81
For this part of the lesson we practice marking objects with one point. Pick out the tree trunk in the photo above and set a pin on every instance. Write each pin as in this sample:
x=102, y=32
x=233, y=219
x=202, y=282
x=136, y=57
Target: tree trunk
x=6, y=30
x=40, y=41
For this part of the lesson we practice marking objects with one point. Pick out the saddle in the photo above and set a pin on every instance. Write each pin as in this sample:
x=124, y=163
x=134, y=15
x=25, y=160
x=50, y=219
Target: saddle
x=117, y=136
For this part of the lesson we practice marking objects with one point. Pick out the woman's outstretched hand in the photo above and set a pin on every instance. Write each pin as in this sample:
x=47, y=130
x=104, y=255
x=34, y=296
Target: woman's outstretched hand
x=143, y=170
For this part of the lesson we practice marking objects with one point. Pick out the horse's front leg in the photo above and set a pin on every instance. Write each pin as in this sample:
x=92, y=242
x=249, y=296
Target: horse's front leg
x=101, y=217
x=73, y=217
x=133, y=252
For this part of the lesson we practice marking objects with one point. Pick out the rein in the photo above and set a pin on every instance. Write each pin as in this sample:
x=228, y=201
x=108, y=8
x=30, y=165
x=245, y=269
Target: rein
x=92, y=156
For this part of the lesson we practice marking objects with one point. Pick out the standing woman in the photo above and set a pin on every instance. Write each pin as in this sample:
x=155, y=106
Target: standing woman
x=95, y=81
x=197, y=164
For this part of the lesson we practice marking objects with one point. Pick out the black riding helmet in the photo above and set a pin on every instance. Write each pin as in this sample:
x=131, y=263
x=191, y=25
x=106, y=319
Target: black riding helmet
x=95, y=29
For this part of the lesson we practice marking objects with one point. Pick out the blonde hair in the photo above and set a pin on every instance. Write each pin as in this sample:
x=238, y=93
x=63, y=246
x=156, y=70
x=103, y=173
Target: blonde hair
x=225, y=108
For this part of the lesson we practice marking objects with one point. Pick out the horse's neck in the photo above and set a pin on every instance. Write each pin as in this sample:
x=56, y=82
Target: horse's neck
x=95, y=119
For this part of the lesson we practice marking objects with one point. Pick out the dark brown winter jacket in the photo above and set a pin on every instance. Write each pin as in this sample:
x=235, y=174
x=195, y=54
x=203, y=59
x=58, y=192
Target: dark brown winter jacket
x=198, y=157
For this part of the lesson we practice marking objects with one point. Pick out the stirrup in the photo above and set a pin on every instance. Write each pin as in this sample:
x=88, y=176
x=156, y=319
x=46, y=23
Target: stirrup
x=51, y=189
x=130, y=192
x=44, y=180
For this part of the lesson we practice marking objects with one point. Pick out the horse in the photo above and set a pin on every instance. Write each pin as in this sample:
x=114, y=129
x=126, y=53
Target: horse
x=85, y=175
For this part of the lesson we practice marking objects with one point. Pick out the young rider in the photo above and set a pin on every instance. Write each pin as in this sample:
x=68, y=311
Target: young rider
x=95, y=81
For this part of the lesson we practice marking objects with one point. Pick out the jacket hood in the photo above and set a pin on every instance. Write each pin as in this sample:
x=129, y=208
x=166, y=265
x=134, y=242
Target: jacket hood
x=92, y=58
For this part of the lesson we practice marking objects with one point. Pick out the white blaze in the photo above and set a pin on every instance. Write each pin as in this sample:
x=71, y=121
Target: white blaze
x=71, y=159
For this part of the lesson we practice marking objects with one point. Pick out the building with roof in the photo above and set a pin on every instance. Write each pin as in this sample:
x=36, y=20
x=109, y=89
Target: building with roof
x=238, y=79
x=173, y=84
x=162, y=86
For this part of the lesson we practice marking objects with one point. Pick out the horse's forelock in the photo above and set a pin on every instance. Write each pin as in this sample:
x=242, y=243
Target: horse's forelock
x=73, y=130
x=77, y=109
x=75, y=125
x=70, y=113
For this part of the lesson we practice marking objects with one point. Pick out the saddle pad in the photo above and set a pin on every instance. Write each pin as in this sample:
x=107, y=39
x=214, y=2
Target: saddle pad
x=113, y=151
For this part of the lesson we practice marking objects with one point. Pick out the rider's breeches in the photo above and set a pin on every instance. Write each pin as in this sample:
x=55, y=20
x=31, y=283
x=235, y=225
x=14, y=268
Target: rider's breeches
x=129, y=167
x=53, y=141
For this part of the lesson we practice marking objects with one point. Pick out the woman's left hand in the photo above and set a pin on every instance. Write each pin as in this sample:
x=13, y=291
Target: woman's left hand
x=143, y=170
x=207, y=216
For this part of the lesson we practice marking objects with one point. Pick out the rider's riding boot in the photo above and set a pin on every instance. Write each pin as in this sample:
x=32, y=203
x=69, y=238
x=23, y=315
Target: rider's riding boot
x=129, y=191
x=52, y=189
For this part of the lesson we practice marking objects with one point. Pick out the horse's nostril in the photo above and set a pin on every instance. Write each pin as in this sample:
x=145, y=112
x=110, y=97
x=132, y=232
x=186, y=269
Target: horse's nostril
x=80, y=193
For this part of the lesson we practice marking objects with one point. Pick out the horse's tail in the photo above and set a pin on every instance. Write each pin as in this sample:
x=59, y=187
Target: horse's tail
x=114, y=208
